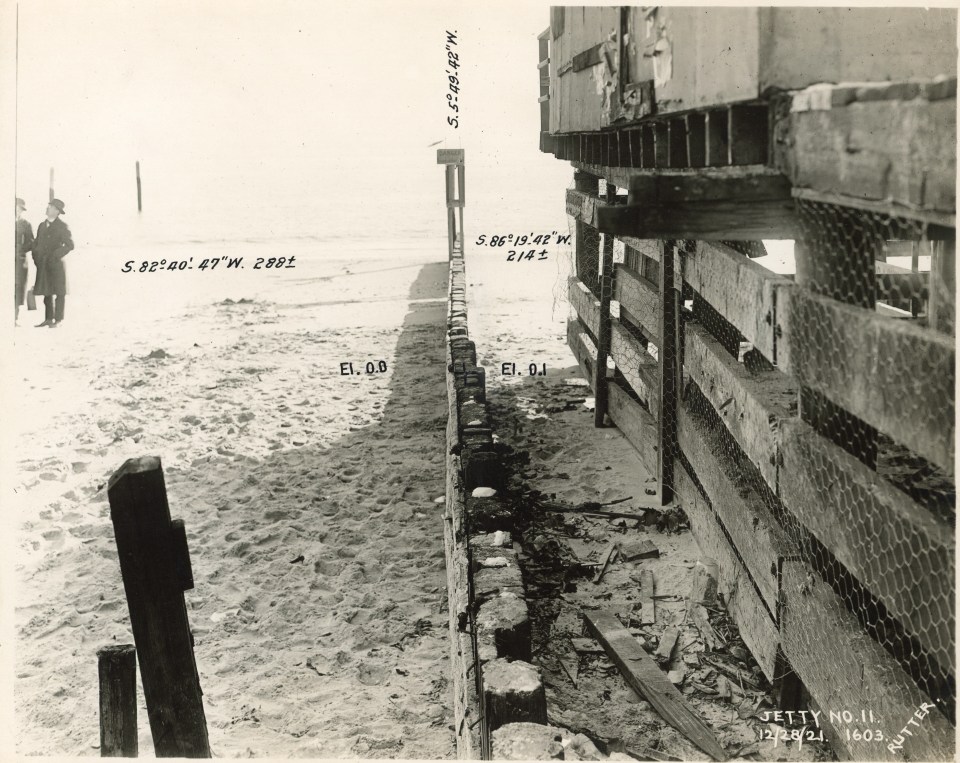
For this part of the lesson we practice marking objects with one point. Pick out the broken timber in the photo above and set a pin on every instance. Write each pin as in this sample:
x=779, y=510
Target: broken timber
x=644, y=676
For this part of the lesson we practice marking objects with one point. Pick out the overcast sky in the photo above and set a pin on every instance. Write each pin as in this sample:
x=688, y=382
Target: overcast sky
x=281, y=91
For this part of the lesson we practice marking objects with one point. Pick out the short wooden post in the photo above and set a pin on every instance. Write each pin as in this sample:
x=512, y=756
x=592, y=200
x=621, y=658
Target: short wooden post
x=117, y=666
x=512, y=693
x=51, y=186
x=139, y=197
x=669, y=377
x=154, y=562
x=601, y=390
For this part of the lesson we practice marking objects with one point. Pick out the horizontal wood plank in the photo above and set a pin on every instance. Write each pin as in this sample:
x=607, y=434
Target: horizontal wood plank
x=900, y=551
x=751, y=405
x=644, y=676
x=760, y=540
x=843, y=668
x=651, y=248
x=637, y=425
x=667, y=186
x=583, y=350
x=757, y=628
x=640, y=298
x=636, y=364
x=586, y=305
x=740, y=289
x=895, y=375
x=712, y=220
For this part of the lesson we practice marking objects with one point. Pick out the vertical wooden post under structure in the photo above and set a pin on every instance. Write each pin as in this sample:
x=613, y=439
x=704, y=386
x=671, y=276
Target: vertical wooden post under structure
x=668, y=357
x=51, y=197
x=117, y=668
x=139, y=197
x=846, y=272
x=155, y=564
x=943, y=284
x=601, y=390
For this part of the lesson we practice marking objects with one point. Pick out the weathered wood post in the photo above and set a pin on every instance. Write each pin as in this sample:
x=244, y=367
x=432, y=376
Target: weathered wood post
x=139, y=199
x=117, y=666
x=155, y=565
x=51, y=185
x=669, y=376
x=601, y=390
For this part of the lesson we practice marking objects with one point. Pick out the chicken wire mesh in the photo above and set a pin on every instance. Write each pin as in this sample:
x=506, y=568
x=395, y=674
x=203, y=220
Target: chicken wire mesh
x=890, y=569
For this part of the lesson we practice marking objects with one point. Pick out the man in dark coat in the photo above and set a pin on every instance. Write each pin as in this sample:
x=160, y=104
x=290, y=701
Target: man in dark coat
x=24, y=244
x=53, y=243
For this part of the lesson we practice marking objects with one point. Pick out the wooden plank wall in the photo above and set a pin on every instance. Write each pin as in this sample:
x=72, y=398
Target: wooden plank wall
x=767, y=495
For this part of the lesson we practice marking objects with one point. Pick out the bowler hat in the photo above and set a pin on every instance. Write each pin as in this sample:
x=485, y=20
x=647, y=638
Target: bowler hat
x=59, y=205
x=20, y=204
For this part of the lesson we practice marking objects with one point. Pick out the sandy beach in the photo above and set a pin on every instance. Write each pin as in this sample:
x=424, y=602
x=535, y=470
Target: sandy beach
x=270, y=456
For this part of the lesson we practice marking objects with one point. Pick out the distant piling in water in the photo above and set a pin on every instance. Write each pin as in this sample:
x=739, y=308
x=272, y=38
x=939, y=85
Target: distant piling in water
x=139, y=196
x=51, y=198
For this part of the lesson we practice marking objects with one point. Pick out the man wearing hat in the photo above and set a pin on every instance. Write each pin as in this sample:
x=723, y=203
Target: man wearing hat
x=52, y=245
x=24, y=244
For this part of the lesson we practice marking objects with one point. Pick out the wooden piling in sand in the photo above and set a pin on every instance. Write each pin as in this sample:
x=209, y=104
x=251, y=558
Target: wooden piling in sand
x=139, y=197
x=51, y=197
x=155, y=565
x=117, y=667
x=512, y=693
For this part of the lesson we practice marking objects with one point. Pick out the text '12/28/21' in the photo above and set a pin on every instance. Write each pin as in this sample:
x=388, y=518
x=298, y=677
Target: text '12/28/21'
x=207, y=263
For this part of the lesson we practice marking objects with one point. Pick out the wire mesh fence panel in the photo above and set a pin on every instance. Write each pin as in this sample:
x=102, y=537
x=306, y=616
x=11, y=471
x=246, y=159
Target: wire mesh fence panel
x=857, y=419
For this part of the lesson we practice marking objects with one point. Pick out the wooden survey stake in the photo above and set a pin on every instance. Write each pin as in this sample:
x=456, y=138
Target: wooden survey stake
x=155, y=565
x=642, y=674
x=117, y=668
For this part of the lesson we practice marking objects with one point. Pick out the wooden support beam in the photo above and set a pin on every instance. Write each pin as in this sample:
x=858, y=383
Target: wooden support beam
x=661, y=145
x=718, y=214
x=638, y=367
x=893, y=375
x=603, y=331
x=153, y=563
x=836, y=659
x=854, y=512
x=644, y=676
x=677, y=137
x=718, y=140
x=636, y=147
x=899, y=152
x=751, y=405
x=748, y=134
x=757, y=628
x=649, y=145
x=641, y=300
x=943, y=287
x=740, y=506
x=696, y=139
x=744, y=292
x=712, y=220
x=637, y=425
x=117, y=668
x=670, y=359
